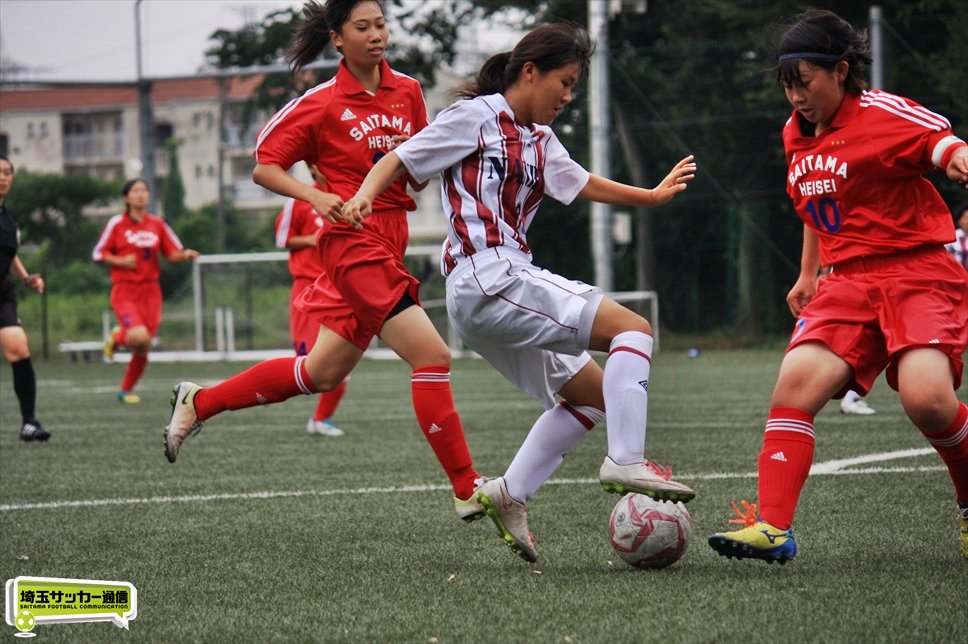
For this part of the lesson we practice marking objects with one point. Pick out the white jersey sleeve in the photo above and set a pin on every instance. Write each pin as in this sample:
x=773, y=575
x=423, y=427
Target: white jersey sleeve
x=564, y=177
x=449, y=138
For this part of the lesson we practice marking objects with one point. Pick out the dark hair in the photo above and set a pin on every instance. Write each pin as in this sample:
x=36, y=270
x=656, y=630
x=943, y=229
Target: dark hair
x=959, y=210
x=4, y=158
x=550, y=46
x=822, y=38
x=127, y=186
x=312, y=35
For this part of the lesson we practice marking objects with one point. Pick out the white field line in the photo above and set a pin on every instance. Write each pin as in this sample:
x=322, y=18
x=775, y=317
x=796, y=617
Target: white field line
x=839, y=467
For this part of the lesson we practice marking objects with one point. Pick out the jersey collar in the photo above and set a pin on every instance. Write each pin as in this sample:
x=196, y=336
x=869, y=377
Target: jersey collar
x=348, y=84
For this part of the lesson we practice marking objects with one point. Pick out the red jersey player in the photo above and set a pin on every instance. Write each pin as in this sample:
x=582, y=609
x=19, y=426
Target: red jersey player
x=131, y=244
x=342, y=127
x=894, y=299
x=297, y=226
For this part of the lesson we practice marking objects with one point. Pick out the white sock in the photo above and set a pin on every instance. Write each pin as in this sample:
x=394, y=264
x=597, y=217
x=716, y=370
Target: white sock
x=552, y=436
x=626, y=389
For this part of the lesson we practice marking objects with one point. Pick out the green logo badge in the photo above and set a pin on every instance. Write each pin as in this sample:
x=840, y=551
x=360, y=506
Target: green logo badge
x=52, y=600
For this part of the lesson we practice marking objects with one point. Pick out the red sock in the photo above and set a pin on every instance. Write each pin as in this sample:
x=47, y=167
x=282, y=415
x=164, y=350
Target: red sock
x=784, y=464
x=434, y=405
x=268, y=382
x=136, y=367
x=328, y=402
x=952, y=445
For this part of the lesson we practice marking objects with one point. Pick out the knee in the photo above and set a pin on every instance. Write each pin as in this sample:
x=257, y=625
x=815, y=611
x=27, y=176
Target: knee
x=327, y=379
x=436, y=357
x=929, y=408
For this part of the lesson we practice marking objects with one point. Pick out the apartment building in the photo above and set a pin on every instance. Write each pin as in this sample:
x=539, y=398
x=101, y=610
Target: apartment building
x=93, y=129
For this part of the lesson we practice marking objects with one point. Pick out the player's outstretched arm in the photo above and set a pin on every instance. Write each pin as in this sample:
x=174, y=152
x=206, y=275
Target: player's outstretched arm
x=605, y=190
x=378, y=179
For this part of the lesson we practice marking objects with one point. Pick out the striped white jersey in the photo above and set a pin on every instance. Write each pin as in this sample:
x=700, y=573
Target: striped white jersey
x=494, y=173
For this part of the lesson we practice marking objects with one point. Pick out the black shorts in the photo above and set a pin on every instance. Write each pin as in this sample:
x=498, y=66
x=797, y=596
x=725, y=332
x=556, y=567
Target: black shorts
x=8, y=306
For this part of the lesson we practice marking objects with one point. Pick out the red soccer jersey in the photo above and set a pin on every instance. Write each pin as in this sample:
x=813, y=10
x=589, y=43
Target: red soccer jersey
x=145, y=240
x=859, y=184
x=344, y=130
x=297, y=219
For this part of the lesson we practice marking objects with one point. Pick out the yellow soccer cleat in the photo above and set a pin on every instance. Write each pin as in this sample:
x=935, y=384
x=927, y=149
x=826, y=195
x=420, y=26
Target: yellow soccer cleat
x=128, y=398
x=964, y=534
x=110, y=346
x=758, y=540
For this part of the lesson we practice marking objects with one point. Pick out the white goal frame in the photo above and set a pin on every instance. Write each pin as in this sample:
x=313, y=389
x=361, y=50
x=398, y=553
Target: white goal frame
x=225, y=348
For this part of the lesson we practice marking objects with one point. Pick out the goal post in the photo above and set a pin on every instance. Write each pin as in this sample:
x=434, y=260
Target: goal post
x=251, y=291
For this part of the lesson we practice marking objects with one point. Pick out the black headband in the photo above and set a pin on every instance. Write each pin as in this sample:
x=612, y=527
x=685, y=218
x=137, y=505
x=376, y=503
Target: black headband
x=809, y=55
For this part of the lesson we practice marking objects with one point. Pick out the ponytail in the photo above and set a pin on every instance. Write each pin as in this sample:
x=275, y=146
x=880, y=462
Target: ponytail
x=310, y=38
x=550, y=46
x=312, y=35
x=492, y=79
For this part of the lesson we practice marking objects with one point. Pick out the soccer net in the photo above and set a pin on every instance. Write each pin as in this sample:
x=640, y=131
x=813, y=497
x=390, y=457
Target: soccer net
x=238, y=307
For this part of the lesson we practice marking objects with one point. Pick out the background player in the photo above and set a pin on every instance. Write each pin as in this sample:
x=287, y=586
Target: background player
x=131, y=244
x=532, y=325
x=297, y=226
x=13, y=338
x=342, y=127
x=894, y=299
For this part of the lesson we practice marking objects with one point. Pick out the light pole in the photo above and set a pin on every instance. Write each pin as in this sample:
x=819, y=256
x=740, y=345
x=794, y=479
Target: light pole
x=601, y=223
x=145, y=120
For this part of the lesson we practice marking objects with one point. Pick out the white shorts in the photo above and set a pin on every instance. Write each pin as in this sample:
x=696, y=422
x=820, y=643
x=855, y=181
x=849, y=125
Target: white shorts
x=533, y=326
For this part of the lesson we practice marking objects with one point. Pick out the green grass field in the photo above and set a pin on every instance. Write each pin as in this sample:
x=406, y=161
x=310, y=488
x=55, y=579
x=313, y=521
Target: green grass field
x=261, y=533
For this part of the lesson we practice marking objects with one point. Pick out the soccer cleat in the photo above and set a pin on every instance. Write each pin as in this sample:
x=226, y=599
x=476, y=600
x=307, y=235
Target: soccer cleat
x=323, y=428
x=758, y=540
x=110, y=346
x=857, y=406
x=510, y=517
x=128, y=398
x=645, y=477
x=184, y=420
x=470, y=509
x=964, y=532
x=32, y=430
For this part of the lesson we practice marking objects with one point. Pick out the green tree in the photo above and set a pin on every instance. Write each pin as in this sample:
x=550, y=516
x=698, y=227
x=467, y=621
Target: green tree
x=173, y=193
x=51, y=207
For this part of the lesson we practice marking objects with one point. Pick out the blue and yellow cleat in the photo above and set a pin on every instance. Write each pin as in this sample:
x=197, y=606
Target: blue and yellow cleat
x=128, y=398
x=758, y=540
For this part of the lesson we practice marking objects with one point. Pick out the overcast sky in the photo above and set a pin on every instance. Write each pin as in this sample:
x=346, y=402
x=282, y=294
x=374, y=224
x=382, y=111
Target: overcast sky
x=95, y=39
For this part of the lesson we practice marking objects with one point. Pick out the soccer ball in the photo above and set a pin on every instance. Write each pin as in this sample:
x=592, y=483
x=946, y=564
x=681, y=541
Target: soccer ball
x=647, y=533
x=25, y=621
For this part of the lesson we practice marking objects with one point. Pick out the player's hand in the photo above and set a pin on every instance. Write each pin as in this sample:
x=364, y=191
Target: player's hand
x=957, y=169
x=128, y=261
x=190, y=254
x=356, y=210
x=396, y=140
x=675, y=182
x=327, y=205
x=801, y=294
x=35, y=282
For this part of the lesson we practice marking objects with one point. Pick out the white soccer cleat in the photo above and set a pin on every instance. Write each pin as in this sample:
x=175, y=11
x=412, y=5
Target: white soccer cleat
x=644, y=477
x=323, y=428
x=510, y=517
x=857, y=406
x=184, y=420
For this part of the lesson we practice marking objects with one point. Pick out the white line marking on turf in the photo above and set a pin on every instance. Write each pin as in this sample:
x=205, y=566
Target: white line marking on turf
x=242, y=496
x=830, y=467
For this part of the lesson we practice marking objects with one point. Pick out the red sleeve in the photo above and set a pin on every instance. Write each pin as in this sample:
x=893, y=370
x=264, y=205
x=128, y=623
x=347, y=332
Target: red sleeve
x=169, y=240
x=907, y=134
x=290, y=135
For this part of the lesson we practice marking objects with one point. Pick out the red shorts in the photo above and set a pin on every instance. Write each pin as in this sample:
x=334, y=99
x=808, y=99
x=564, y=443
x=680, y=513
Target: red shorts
x=137, y=304
x=869, y=311
x=364, y=277
x=303, y=328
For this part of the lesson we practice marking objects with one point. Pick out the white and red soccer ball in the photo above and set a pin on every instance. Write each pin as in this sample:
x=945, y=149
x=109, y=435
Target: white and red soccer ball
x=647, y=533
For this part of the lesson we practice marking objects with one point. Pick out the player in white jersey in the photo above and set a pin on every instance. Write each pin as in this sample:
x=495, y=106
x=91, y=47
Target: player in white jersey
x=497, y=157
